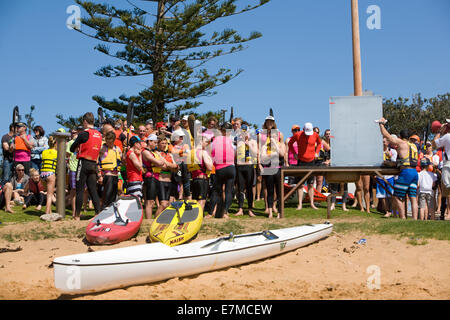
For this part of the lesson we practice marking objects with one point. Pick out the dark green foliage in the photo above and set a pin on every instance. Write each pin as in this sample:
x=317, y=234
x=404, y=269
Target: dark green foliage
x=416, y=114
x=168, y=47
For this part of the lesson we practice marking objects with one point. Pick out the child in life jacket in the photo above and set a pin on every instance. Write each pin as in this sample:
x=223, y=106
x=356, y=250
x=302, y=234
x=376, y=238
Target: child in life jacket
x=109, y=163
x=48, y=172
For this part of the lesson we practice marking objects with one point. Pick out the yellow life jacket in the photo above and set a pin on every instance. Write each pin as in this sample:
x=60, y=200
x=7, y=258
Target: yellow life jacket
x=243, y=154
x=196, y=164
x=411, y=158
x=49, y=160
x=148, y=167
x=110, y=161
x=387, y=155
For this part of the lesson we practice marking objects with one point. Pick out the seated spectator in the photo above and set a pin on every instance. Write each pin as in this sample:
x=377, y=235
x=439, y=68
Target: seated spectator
x=14, y=190
x=34, y=193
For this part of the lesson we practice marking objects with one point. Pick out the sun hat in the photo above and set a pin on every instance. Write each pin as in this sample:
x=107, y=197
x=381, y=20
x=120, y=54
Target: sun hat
x=176, y=135
x=152, y=137
x=308, y=128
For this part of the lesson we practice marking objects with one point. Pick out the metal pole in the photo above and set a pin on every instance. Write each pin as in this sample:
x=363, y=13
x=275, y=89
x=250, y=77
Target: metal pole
x=61, y=139
x=357, y=77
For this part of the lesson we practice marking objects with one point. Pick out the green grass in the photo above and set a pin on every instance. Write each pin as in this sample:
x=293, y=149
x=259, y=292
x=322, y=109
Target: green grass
x=416, y=231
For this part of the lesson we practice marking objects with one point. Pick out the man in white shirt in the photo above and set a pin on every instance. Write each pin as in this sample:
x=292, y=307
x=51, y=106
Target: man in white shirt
x=442, y=139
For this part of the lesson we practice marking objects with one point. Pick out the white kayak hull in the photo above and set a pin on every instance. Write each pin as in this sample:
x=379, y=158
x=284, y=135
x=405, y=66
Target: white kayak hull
x=141, y=264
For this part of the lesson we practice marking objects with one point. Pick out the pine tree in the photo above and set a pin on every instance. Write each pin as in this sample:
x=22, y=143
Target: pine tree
x=171, y=50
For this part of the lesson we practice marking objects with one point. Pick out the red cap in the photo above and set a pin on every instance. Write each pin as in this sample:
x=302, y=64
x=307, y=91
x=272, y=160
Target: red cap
x=161, y=125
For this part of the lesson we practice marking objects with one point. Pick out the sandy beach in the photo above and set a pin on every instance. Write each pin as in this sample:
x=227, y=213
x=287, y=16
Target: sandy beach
x=333, y=268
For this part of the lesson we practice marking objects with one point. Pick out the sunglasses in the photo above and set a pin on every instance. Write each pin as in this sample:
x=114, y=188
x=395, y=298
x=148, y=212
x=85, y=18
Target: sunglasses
x=295, y=130
x=20, y=169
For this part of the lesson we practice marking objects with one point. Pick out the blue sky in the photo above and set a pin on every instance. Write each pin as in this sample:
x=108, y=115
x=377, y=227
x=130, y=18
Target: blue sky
x=303, y=58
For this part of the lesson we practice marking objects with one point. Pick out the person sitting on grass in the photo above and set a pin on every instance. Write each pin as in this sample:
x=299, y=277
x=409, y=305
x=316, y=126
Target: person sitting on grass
x=34, y=191
x=48, y=172
x=14, y=190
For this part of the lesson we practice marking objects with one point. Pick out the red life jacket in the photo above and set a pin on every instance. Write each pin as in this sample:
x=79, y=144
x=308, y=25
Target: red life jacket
x=118, y=142
x=90, y=150
x=132, y=173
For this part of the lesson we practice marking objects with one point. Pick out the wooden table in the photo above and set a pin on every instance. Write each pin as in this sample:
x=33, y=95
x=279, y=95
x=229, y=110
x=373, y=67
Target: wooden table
x=332, y=175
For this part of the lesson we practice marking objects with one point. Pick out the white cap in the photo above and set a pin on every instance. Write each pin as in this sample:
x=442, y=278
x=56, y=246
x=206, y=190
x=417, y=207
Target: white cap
x=152, y=137
x=448, y=120
x=185, y=117
x=176, y=135
x=270, y=118
x=308, y=128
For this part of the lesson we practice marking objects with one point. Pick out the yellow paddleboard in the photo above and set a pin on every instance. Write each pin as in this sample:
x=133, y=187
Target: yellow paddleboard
x=178, y=223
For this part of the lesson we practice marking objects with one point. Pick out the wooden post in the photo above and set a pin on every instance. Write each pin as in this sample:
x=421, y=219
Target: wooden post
x=61, y=138
x=357, y=77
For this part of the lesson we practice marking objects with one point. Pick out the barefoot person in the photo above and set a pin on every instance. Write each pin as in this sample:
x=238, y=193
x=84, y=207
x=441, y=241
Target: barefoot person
x=151, y=159
x=48, y=172
x=89, y=142
x=406, y=184
x=442, y=140
x=309, y=144
x=34, y=191
x=200, y=165
x=246, y=150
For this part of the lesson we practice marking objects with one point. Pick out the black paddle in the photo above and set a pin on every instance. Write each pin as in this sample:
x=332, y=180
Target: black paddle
x=130, y=115
x=101, y=118
x=266, y=233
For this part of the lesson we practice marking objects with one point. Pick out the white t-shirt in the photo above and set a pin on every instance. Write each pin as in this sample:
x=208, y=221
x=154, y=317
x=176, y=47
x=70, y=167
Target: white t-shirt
x=426, y=180
x=444, y=141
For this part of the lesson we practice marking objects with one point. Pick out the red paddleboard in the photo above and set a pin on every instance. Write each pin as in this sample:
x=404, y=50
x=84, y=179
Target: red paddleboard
x=117, y=222
x=318, y=197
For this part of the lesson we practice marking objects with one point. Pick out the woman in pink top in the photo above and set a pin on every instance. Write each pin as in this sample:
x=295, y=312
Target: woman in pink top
x=222, y=153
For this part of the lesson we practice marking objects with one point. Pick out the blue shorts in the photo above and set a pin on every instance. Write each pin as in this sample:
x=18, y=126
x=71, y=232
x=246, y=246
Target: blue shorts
x=381, y=192
x=406, y=183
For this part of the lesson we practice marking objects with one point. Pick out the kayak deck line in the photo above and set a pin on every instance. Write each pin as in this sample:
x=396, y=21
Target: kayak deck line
x=270, y=242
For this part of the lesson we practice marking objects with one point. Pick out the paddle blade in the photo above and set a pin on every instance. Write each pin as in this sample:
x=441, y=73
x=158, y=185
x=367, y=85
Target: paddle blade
x=101, y=118
x=130, y=113
x=16, y=116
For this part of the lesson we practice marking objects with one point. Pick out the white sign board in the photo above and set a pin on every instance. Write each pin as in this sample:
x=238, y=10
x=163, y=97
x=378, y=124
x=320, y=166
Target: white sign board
x=357, y=138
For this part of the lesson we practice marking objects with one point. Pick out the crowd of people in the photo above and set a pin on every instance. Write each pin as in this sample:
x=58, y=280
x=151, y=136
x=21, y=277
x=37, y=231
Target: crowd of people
x=212, y=163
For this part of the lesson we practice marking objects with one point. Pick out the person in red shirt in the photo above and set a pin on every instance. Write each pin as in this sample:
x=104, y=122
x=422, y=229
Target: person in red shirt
x=308, y=144
x=134, y=168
